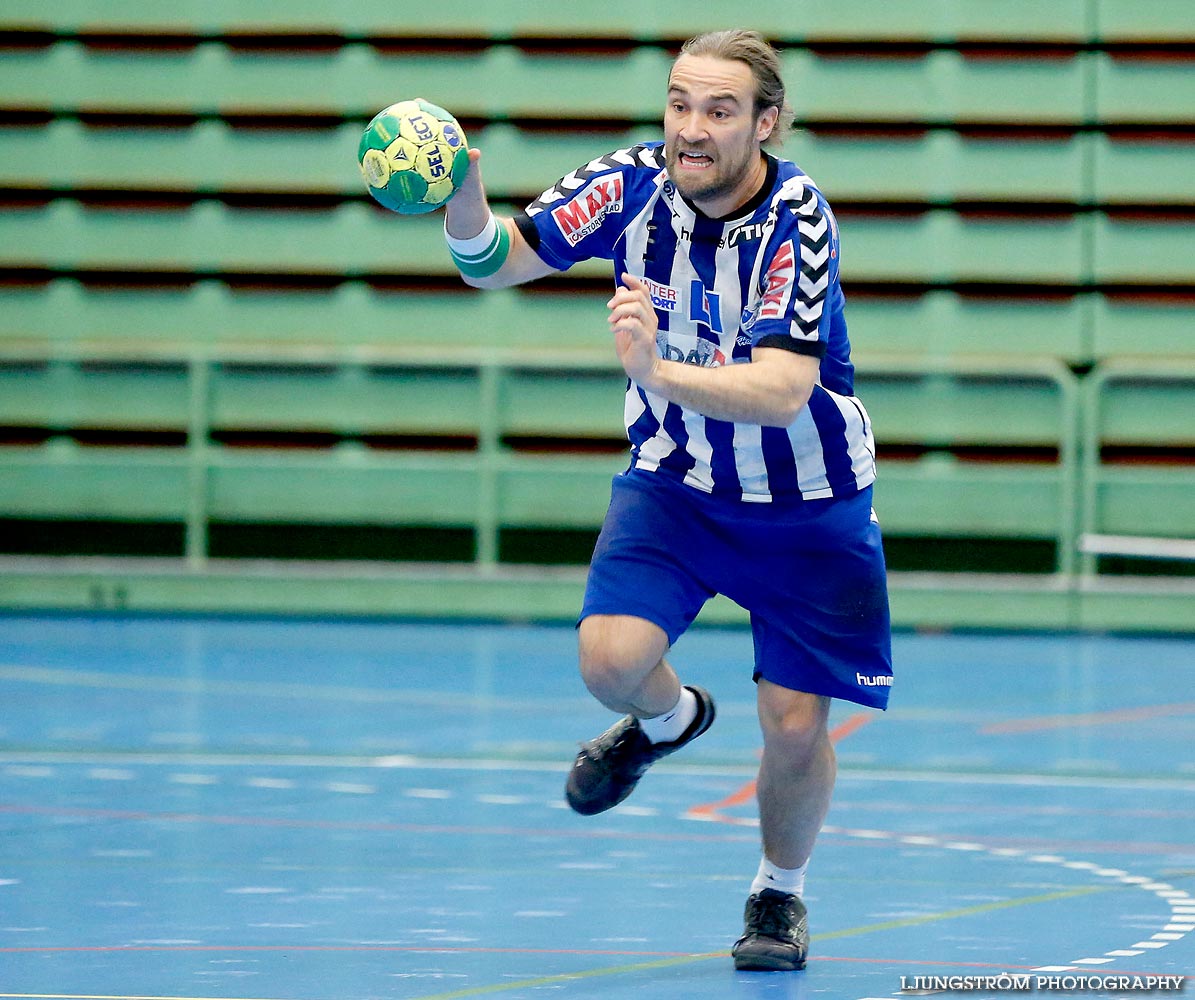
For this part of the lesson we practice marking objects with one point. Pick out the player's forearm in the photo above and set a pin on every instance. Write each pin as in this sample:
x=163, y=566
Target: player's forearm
x=753, y=393
x=480, y=245
x=479, y=241
x=488, y=250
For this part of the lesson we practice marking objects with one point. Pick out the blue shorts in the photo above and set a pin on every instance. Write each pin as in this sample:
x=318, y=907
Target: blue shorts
x=810, y=572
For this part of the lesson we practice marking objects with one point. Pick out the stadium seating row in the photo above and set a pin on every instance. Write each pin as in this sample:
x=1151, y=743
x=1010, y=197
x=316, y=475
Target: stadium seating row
x=938, y=86
x=935, y=246
x=875, y=20
x=936, y=166
x=1079, y=329
x=474, y=415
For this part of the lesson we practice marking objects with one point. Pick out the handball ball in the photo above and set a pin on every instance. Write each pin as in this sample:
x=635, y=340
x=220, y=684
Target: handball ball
x=413, y=157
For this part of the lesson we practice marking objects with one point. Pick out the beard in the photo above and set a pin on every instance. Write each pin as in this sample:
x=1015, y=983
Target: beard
x=721, y=178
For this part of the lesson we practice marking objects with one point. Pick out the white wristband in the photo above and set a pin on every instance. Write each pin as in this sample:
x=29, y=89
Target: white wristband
x=474, y=245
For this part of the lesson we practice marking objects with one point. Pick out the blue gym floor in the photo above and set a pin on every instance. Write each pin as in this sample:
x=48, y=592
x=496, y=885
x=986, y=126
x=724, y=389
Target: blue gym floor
x=212, y=808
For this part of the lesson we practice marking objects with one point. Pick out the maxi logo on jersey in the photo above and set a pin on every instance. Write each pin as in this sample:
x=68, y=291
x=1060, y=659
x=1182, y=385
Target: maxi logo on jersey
x=584, y=212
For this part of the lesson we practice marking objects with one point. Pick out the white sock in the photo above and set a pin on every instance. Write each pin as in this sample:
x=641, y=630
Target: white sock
x=770, y=876
x=668, y=727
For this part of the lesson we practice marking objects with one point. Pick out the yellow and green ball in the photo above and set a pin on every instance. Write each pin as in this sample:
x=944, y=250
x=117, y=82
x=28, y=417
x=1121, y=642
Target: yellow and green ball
x=413, y=156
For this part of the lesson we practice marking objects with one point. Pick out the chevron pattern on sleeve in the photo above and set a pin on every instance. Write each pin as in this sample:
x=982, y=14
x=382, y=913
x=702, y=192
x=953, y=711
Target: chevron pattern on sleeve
x=570, y=183
x=813, y=277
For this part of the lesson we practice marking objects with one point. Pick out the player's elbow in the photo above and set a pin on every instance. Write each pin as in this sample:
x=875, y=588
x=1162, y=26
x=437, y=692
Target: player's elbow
x=786, y=380
x=787, y=405
x=784, y=414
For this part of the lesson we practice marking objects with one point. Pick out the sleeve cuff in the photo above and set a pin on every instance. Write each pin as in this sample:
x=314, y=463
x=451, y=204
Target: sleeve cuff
x=810, y=348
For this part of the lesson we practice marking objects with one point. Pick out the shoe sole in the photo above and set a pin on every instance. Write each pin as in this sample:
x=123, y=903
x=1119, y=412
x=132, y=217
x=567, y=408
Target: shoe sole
x=767, y=963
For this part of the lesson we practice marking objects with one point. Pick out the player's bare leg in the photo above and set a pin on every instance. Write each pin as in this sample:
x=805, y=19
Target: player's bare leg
x=623, y=665
x=796, y=781
x=796, y=774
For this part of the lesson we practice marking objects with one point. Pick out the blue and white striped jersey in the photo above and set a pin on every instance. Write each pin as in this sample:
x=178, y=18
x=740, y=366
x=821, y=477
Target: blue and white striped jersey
x=766, y=276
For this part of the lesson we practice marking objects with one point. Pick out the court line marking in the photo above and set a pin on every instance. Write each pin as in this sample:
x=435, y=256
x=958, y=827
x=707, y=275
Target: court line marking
x=62, y=677
x=157, y=758
x=1041, y=723
x=88, y=996
x=662, y=963
x=823, y=958
x=496, y=988
x=1175, y=898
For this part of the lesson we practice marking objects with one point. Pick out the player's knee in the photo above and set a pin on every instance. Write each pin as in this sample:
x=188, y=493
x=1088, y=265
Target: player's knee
x=613, y=659
x=607, y=670
x=794, y=727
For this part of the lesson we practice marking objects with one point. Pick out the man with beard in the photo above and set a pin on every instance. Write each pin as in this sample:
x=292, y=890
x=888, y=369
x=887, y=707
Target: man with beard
x=751, y=463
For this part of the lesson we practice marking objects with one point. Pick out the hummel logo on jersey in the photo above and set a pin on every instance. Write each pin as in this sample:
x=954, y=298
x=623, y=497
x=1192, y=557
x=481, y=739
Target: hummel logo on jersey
x=584, y=213
x=743, y=234
x=705, y=307
x=878, y=681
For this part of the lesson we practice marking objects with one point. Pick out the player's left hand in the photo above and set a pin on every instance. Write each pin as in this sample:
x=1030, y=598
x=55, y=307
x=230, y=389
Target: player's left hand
x=633, y=322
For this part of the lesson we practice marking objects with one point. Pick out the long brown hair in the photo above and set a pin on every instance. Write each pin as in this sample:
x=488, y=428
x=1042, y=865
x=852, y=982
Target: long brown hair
x=752, y=48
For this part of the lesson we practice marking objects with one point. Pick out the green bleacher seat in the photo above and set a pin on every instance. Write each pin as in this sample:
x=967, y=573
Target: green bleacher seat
x=206, y=156
x=942, y=246
x=211, y=78
x=942, y=20
x=1133, y=411
x=1004, y=408
x=999, y=406
x=445, y=490
x=944, y=324
x=64, y=480
x=557, y=491
x=143, y=322
x=347, y=398
x=1144, y=250
x=1132, y=90
x=940, y=86
x=938, y=497
x=947, y=20
x=1143, y=20
x=1144, y=171
x=558, y=329
x=357, y=239
x=558, y=401
x=1137, y=327
x=941, y=165
x=99, y=394
x=211, y=156
x=525, y=162
x=343, y=486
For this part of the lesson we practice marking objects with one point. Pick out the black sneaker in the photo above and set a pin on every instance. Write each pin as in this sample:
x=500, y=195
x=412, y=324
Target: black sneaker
x=608, y=768
x=776, y=933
